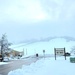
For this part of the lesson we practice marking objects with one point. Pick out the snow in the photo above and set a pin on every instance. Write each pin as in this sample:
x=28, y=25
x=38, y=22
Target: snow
x=25, y=56
x=2, y=63
x=48, y=46
x=47, y=66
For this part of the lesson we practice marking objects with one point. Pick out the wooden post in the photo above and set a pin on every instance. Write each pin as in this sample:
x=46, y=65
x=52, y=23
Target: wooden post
x=44, y=53
x=64, y=53
x=55, y=53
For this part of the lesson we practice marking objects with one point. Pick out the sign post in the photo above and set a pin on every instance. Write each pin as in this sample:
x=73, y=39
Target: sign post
x=60, y=52
x=55, y=52
x=44, y=53
x=64, y=53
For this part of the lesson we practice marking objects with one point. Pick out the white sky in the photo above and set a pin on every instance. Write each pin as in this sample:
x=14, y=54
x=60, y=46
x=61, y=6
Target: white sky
x=27, y=19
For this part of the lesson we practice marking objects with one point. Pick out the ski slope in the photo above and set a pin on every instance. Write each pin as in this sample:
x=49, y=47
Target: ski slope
x=48, y=46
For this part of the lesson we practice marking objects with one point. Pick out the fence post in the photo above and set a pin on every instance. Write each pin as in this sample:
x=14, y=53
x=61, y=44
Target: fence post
x=55, y=53
x=64, y=53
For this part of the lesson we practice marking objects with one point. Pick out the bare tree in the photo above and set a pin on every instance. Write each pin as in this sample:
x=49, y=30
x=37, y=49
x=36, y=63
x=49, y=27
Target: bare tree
x=73, y=50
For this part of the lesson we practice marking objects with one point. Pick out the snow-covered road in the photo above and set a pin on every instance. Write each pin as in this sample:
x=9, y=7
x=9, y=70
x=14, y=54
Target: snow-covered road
x=15, y=64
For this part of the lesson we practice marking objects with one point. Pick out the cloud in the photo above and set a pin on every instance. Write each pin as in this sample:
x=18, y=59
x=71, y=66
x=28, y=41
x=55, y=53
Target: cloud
x=59, y=9
x=36, y=10
x=27, y=19
x=22, y=10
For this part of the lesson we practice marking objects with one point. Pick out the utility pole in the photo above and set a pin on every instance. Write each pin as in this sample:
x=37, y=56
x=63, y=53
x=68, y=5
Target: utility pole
x=26, y=51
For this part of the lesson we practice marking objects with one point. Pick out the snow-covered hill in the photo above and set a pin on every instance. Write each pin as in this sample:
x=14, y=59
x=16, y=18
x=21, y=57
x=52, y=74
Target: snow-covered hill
x=48, y=46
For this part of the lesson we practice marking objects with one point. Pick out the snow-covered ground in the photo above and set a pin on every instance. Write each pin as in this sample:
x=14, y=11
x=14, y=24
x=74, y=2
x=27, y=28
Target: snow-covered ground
x=47, y=66
x=2, y=63
x=48, y=46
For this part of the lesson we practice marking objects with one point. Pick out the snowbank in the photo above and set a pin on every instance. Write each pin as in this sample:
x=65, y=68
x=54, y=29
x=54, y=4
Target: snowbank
x=47, y=66
x=2, y=63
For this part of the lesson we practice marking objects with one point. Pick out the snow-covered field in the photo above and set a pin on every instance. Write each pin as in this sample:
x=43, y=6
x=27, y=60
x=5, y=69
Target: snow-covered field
x=48, y=46
x=47, y=66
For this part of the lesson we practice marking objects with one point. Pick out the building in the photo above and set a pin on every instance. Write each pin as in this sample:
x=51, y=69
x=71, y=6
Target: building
x=16, y=53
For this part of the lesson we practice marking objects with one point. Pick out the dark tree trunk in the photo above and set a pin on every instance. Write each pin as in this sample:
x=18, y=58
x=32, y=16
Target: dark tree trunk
x=2, y=52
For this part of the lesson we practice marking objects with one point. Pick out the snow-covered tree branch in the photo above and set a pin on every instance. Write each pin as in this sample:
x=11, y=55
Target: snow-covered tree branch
x=73, y=50
x=4, y=44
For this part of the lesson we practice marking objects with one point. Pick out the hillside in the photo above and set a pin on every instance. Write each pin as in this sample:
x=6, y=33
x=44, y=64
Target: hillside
x=48, y=46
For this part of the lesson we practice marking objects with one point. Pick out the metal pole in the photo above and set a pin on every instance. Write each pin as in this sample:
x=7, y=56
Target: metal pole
x=26, y=51
x=64, y=53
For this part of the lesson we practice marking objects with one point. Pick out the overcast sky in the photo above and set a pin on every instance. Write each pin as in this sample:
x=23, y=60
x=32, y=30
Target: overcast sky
x=27, y=19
